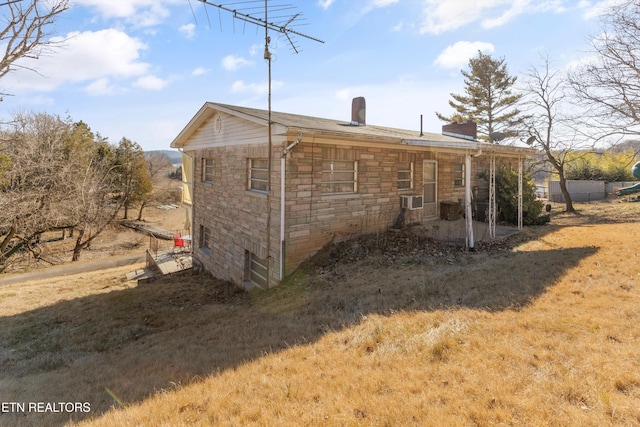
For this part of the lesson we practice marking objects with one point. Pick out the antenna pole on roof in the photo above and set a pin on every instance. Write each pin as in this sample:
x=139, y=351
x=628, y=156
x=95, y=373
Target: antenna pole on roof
x=282, y=28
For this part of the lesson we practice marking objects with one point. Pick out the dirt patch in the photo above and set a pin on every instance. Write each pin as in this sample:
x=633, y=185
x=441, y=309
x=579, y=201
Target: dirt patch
x=115, y=240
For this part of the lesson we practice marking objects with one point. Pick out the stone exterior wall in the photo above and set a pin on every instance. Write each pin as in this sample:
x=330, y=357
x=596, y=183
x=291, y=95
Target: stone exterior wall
x=313, y=219
x=235, y=216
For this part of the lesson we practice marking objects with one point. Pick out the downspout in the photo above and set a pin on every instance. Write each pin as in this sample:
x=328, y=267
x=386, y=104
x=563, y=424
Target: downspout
x=283, y=169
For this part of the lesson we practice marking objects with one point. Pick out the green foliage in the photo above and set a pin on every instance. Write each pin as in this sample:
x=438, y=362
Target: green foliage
x=489, y=100
x=133, y=175
x=507, y=198
x=607, y=166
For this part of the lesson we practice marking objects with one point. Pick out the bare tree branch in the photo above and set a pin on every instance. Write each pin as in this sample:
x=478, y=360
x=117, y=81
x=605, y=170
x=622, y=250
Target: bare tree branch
x=24, y=34
x=609, y=84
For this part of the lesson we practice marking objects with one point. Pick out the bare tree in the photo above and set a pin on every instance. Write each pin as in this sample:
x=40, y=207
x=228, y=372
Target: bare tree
x=36, y=189
x=610, y=82
x=549, y=129
x=24, y=35
x=54, y=174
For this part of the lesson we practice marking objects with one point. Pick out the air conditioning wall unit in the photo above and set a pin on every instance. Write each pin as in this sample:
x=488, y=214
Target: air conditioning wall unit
x=411, y=202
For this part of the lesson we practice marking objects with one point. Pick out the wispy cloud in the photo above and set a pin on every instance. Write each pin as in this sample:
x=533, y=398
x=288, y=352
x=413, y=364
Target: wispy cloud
x=439, y=16
x=188, y=30
x=100, y=87
x=232, y=62
x=239, y=86
x=325, y=4
x=593, y=9
x=457, y=55
x=200, y=71
x=150, y=82
x=142, y=13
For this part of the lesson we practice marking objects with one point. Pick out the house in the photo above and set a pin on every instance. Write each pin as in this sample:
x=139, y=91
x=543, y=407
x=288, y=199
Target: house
x=261, y=205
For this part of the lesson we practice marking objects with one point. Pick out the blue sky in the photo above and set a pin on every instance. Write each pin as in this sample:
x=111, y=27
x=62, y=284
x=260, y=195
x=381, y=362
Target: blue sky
x=142, y=68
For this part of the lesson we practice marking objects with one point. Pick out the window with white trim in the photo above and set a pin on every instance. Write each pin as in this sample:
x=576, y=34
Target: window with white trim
x=207, y=170
x=405, y=175
x=339, y=176
x=258, y=176
x=458, y=175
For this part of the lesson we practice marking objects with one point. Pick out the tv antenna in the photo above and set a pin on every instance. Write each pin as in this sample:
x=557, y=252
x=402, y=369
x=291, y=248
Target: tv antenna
x=253, y=12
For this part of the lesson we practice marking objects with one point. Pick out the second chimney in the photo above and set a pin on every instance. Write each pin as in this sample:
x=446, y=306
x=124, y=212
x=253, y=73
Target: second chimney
x=466, y=130
x=358, y=111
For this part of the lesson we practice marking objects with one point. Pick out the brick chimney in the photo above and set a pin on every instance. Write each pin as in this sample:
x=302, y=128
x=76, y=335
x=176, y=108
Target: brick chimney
x=466, y=130
x=358, y=111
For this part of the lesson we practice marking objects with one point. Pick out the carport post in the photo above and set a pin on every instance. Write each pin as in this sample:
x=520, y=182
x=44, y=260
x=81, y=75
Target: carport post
x=467, y=203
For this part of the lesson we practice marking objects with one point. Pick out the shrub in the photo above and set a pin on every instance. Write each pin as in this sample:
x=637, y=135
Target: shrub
x=507, y=198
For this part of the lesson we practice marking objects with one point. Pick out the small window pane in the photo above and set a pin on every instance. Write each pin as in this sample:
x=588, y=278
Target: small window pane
x=257, y=270
x=405, y=175
x=339, y=176
x=258, y=174
x=207, y=170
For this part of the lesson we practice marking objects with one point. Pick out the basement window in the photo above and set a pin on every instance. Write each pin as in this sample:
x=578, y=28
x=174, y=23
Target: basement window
x=204, y=239
x=256, y=270
x=339, y=177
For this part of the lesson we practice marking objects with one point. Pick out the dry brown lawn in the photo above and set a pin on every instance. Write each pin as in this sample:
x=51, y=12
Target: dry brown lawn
x=539, y=330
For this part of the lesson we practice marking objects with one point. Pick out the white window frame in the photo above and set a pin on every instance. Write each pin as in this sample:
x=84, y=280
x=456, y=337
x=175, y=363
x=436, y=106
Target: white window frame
x=458, y=175
x=405, y=184
x=331, y=168
x=207, y=169
x=254, y=183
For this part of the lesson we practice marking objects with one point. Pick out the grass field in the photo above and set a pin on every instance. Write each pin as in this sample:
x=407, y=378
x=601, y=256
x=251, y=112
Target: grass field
x=541, y=329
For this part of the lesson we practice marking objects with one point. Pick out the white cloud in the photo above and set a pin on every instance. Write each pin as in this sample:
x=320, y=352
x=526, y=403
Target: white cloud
x=143, y=13
x=457, y=55
x=446, y=15
x=256, y=49
x=100, y=87
x=383, y=3
x=188, y=30
x=325, y=4
x=199, y=71
x=232, y=62
x=239, y=86
x=150, y=82
x=595, y=9
x=82, y=56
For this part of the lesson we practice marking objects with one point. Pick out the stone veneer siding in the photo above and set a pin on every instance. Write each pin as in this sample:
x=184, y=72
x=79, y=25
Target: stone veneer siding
x=237, y=217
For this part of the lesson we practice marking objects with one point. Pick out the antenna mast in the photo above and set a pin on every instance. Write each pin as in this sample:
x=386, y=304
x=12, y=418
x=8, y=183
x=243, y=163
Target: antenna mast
x=284, y=28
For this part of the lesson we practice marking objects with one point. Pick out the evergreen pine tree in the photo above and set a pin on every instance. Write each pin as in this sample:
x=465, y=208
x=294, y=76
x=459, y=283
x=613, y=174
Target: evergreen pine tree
x=488, y=100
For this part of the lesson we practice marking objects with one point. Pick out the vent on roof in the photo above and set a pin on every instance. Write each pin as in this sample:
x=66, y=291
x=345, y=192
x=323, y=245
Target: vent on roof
x=358, y=111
